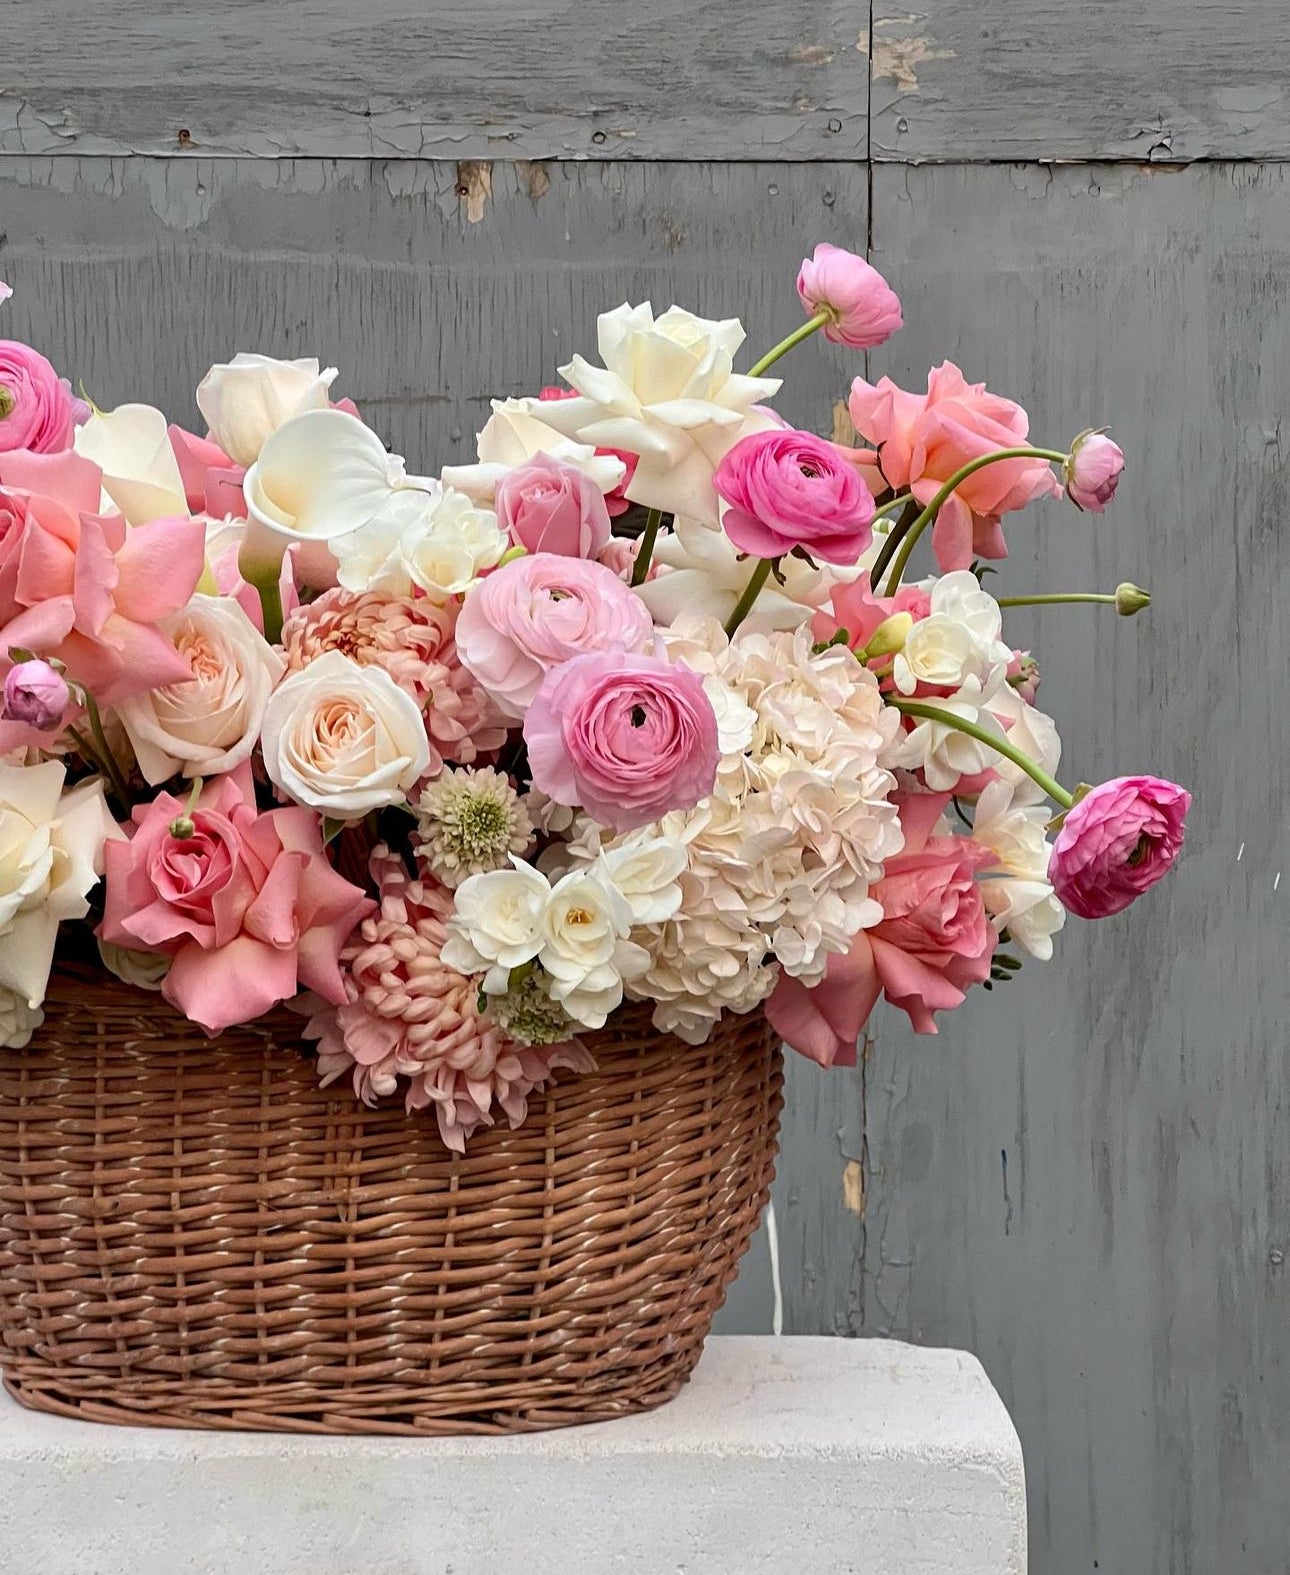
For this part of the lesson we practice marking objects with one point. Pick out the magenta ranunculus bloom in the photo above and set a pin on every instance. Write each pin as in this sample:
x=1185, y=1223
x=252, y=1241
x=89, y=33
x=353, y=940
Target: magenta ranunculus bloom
x=548, y=506
x=37, y=411
x=1120, y=839
x=36, y=695
x=627, y=737
x=865, y=310
x=1093, y=471
x=786, y=489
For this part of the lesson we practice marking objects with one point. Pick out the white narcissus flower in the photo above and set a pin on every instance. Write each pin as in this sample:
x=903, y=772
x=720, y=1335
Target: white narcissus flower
x=343, y=739
x=247, y=399
x=51, y=855
x=1016, y=890
x=211, y=723
x=959, y=639
x=131, y=446
x=586, y=953
x=1034, y=733
x=497, y=924
x=441, y=548
x=667, y=392
x=647, y=871
x=514, y=434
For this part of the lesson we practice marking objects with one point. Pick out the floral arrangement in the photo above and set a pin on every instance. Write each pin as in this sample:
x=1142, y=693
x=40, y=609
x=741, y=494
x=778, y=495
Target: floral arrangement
x=643, y=705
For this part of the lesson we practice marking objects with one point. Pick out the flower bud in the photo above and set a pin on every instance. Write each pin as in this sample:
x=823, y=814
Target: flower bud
x=36, y=694
x=1092, y=471
x=1130, y=599
x=889, y=637
x=182, y=828
x=863, y=308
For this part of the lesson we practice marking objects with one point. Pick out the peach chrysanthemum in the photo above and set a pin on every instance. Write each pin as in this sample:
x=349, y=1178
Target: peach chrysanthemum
x=410, y=1016
x=412, y=639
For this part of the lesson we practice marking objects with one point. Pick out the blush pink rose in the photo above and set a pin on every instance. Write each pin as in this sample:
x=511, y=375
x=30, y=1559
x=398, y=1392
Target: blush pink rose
x=787, y=489
x=247, y=908
x=548, y=506
x=864, y=311
x=923, y=439
x=935, y=941
x=627, y=737
x=1119, y=840
x=538, y=612
x=1093, y=471
x=37, y=411
x=212, y=482
x=617, y=501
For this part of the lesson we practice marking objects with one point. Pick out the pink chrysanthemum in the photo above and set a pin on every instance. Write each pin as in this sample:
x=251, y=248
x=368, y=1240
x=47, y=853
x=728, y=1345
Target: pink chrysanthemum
x=412, y=639
x=411, y=1016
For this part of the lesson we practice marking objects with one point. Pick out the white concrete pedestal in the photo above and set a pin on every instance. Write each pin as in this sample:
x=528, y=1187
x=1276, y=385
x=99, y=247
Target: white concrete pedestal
x=782, y=1457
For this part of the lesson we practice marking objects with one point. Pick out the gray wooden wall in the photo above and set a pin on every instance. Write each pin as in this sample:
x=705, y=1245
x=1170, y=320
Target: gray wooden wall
x=1086, y=1178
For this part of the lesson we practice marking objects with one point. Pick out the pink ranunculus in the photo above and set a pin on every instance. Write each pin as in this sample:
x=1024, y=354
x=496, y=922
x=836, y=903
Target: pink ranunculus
x=923, y=439
x=787, y=489
x=1093, y=471
x=247, y=908
x=1120, y=839
x=617, y=502
x=934, y=941
x=548, y=506
x=37, y=411
x=80, y=588
x=627, y=737
x=864, y=309
x=35, y=695
x=539, y=611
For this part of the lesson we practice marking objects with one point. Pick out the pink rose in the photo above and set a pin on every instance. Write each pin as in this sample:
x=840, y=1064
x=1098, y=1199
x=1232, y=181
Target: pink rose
x=1093, y=471
x=627, y=737
x=617, y=501
x=787, y=489
x=548, y=506
x=212, y=482
x=37, y=411
x=537, y=612
x=934, y=941
x=247, y=908
x=923, y=439
x=864, y=310
x=35, y=695
x=1117, y=841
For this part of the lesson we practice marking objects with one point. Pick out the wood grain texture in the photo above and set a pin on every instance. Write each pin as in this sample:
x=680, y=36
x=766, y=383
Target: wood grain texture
x=1020, y=79
x=436, y=78
x=1086, y=1178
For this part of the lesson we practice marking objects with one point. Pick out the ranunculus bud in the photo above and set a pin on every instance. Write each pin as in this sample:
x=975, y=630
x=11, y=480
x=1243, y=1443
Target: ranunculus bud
x=34, y=693
x=863, y=308
x=1092, y=471
x=1130, y=599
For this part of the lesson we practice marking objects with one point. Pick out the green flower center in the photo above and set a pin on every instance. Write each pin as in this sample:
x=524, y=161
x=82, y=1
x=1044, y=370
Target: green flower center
x=8, y=399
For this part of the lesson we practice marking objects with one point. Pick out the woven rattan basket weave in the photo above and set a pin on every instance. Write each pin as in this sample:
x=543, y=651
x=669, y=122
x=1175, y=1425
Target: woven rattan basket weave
x=193, y=1234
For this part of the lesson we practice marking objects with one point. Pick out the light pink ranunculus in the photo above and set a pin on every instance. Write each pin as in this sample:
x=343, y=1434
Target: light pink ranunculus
x=787, y=489
x=539, y=611
x=35, y=695
x=247, y=908
x=864, y=309
x=1119, y=840
x=627, y=737
x=37, y=411
x=1093, y=471
x=923, y=439
x=548, y=506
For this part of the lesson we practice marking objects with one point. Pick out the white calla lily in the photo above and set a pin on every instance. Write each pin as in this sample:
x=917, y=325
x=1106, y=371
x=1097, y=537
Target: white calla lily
x=131, y=446
x=247, y=399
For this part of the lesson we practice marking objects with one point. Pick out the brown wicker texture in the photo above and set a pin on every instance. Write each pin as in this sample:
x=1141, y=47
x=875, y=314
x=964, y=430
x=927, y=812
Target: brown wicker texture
x=193, y=1234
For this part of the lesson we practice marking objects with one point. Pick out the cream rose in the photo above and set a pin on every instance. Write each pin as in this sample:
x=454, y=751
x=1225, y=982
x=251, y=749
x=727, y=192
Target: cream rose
x=211, y=723
x=512, y=435
x=343, y=739
x=248, y=398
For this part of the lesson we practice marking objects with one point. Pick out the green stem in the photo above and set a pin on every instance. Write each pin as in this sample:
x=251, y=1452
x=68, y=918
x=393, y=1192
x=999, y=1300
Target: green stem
x=743, y=606
x=270, y=594
x=956, y=480
x=895, y=536
x=1037, y=774
x=1047, y=599
x=114, y=772
x=648, y=537
x=785, y=345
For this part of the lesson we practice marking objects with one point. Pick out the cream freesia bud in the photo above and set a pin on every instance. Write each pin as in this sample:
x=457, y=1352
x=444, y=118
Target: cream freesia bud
x=1130, y=599
x=889, y=637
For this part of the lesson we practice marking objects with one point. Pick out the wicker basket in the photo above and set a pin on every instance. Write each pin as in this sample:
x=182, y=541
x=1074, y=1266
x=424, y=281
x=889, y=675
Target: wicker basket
x=193, y=1234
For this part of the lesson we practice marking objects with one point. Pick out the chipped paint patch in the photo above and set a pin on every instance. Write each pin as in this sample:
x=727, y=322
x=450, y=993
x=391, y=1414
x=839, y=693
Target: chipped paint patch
x=810, y=55
x=895, y=60
x=853, y=1187
x=475, y=186
x=843, y=430
x=535, y=178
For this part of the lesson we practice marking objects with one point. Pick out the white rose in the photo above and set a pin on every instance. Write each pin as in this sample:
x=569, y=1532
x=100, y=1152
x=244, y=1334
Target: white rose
x=514, y=434
x=497, y=924
x=247, y=399
x=668, y=393
x=51, y=855
x=343, y=739
x=18, y=1021
x=440, y=547
x=131, y=446
x=211, y=723
x=144, y=970
x=707, y=576
x=585, y=951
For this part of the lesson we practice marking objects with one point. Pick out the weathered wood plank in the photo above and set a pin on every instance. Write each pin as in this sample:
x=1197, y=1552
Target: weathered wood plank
x=436, y=79
x=1086, y=1178
x=999, y=79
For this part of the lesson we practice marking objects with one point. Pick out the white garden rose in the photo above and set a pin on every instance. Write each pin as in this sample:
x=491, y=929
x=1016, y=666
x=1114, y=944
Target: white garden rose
x=51, y=855
x=131, y=446
x=18, y=1021
x=497, y=924
x=512, y=435
x=343, y=739
x=440, y=548
x=211, y=723
x=247, y=399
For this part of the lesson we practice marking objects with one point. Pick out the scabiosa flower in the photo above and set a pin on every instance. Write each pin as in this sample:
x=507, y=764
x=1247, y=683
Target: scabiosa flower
x=410, y=1016
x=469, y=821
x=528, y=1014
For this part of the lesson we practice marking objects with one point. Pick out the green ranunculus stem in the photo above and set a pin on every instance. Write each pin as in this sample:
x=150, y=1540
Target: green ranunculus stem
x=1051, y=599
x=956, y=480
x=895, y=536
x=743, y=606
x=108, y=760
x=786, y=344
x=648, y=537
x=1036, y=773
